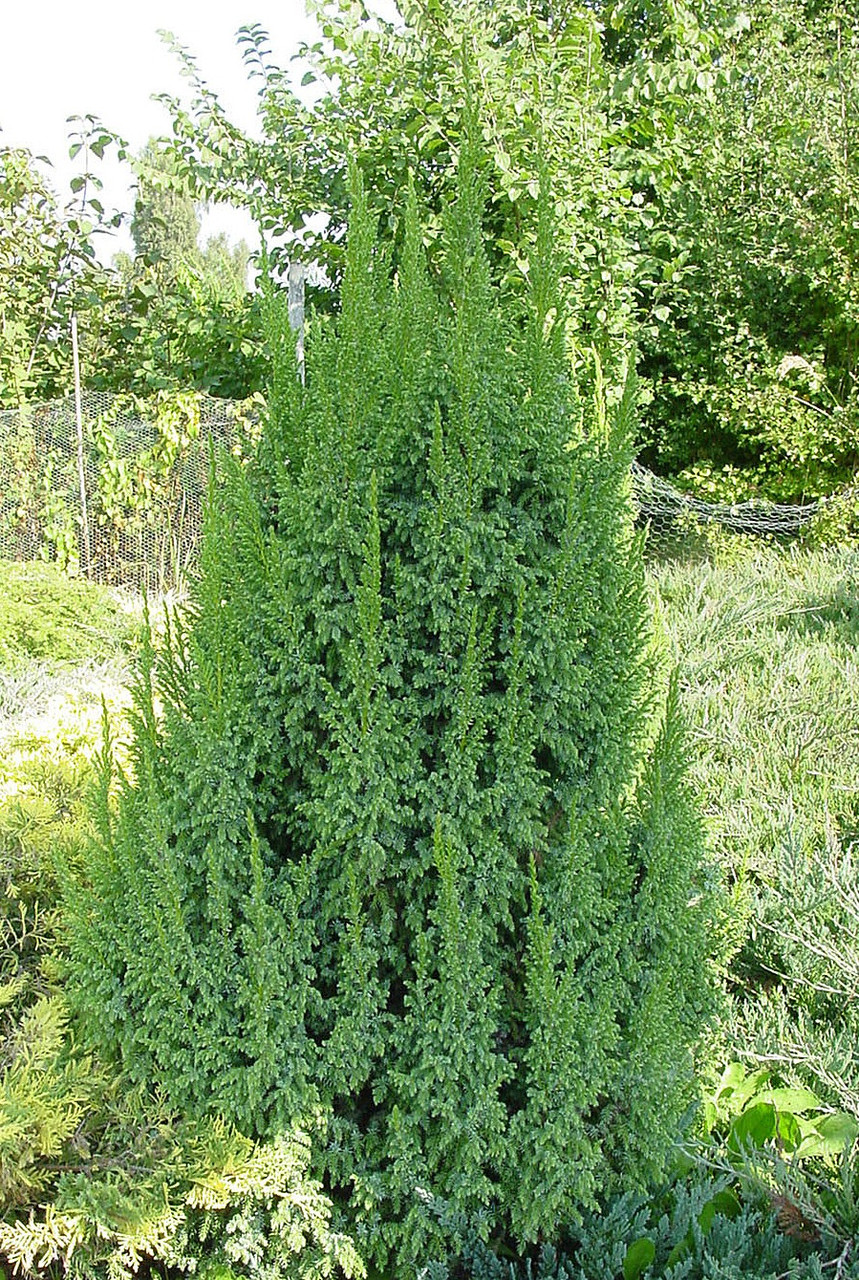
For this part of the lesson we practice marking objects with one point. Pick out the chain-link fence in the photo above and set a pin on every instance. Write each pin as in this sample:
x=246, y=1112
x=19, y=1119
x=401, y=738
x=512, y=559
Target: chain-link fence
x=119, y=496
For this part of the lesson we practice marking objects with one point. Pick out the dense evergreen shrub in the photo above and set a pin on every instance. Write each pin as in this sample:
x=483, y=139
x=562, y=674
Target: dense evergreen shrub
x=407, y=841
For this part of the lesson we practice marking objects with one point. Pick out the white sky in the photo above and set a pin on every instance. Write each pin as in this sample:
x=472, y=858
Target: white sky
x=103, y=57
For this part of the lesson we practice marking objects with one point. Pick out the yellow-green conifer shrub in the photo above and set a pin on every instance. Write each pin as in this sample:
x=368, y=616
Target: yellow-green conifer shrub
x=405, y=842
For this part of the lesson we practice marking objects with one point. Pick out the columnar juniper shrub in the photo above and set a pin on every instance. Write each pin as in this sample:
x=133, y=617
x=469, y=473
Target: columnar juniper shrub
x=407, y=841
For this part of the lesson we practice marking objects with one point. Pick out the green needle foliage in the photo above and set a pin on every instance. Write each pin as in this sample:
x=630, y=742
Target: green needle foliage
x=407, y=840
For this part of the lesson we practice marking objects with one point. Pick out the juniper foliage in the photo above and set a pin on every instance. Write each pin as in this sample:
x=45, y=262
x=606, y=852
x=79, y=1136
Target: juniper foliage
x=693, y=1228
x=407, y=839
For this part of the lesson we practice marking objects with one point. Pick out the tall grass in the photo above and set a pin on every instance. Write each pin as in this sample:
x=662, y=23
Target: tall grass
x=767, y=643
x=766, y=639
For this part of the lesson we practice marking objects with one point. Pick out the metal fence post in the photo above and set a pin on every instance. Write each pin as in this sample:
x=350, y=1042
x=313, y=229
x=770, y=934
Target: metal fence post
x=295, y=282
x=80, y=431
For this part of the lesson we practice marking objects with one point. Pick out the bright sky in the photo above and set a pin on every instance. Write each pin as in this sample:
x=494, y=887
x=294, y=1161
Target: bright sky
x=104, y=57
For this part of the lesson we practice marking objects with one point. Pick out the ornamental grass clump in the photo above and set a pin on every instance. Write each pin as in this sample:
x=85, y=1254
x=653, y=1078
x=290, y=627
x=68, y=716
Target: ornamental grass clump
x=407, y=844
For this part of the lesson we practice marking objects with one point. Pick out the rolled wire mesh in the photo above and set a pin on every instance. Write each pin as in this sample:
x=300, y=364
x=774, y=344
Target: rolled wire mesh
x=670, y=511
x=122, y=500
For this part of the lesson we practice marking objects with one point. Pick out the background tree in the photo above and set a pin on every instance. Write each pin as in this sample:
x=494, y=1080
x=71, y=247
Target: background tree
x=754, y=364
x=48, y=268
x=226, y=265
x=165, y=226
x=188, y=318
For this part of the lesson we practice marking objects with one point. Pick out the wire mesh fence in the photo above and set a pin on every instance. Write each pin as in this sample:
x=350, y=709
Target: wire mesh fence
x=119, y=496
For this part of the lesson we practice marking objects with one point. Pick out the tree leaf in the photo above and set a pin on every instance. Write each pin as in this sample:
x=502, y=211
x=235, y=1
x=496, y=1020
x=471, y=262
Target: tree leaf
x=754, y=1127
x=639, y=1257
